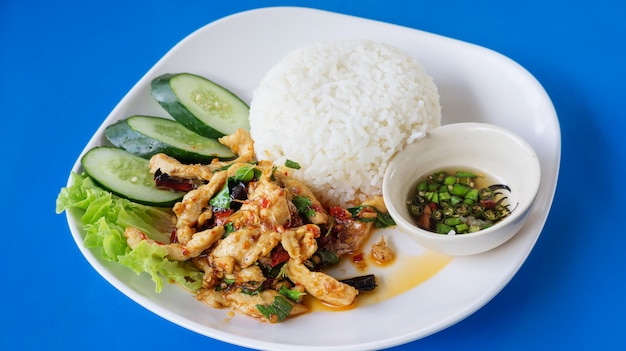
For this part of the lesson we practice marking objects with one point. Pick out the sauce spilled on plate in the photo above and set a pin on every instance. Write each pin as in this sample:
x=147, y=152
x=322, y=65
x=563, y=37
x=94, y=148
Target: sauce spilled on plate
x=406, y=273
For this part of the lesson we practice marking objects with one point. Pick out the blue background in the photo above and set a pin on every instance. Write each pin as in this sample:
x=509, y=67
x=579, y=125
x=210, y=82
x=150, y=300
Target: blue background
x=66, y=64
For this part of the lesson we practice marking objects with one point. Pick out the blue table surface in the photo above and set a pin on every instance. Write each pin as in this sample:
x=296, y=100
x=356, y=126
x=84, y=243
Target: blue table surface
x=66, y=64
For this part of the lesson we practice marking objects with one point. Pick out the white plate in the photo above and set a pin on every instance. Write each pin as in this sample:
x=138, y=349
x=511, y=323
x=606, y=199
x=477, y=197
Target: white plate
x=475, y=84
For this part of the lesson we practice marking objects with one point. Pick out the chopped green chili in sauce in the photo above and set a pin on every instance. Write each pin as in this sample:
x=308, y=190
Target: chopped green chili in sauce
x=457, y=202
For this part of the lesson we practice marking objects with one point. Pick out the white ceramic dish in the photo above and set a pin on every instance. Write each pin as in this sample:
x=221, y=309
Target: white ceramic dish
x=482, y=147
x=476, y=84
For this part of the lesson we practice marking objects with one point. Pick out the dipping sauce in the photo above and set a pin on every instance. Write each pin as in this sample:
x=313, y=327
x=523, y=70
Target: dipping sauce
x=457, y=202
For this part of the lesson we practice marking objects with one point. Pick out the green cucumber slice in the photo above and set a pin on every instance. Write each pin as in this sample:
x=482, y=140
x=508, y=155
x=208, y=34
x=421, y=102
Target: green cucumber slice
x=200, y=104
x=145, y=136
x=127, y=176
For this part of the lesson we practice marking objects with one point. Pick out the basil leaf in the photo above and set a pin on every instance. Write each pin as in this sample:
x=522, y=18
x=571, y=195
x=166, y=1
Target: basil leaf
x=280, y=308
x=382, y=220
x=222, y=199
x=228, y=228
x=303, y=205
x=247, y=173
x=328, y=258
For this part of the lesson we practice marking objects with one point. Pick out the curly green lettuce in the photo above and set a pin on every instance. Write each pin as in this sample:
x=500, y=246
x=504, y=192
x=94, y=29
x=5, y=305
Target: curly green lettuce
x=104, y=217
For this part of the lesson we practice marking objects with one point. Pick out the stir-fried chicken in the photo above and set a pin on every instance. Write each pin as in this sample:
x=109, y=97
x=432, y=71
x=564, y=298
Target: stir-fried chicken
x=246, y=303
x=245, y=246
x=178, y=252
x=297, y=188
x=240, y=143
x=350, y=233
x=259, y=238
x=320, y=285
x=300, y=243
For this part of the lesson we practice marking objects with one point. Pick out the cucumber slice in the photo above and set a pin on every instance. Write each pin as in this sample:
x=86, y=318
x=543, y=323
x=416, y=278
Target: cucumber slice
x=145, y=136
x=126, y=175
x=200, y=104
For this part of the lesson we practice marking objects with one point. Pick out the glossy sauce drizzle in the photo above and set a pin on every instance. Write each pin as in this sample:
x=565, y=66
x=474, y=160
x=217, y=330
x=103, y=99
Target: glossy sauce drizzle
x=405, y=273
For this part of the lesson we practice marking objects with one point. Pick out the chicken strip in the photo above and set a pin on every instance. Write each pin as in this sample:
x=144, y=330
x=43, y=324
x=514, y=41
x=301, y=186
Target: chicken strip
x=320, y=285
x=194, y=203
x=178, y=252
x=240, y=142
x=175, y=169
x=270, y=202
x=245, y=246
x=300, y=243
x=297, y=188
x=246, y=303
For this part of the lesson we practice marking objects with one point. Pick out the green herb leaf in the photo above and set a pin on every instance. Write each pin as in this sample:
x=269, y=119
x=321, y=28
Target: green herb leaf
x=303, y=205
x=382, y=220
x=222, y=199
x=228, y=228
x=292, y=294
x=328, y=258
x=280, y=308
x=103, y=218
x=292, y=164
x=272, y=176
x=247, y=173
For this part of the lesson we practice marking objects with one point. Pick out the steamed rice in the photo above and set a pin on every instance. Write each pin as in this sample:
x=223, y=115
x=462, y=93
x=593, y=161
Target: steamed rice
x=342, y=110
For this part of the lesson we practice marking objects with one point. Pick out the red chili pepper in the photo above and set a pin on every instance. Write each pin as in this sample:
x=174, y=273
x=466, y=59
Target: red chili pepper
x=174, y=237
x=340, y=213
x=279, y=255
x=314, y=229
x=221, y=217
x=488, y=204
x=358, y=258
x=265, y=203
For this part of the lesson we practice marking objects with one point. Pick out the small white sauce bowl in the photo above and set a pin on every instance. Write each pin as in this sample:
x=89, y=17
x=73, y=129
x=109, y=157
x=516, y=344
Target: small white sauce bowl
x=491, y=149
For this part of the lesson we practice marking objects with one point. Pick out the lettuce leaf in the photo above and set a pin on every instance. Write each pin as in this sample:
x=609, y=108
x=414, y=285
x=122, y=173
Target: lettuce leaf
x=151, y=259
x=104, y=217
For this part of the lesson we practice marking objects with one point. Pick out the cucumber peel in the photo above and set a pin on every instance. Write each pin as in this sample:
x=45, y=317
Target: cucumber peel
x=146, y=136
x=200, y=105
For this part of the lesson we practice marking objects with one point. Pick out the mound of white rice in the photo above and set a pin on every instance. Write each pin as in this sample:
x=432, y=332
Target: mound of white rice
x=342, y=110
